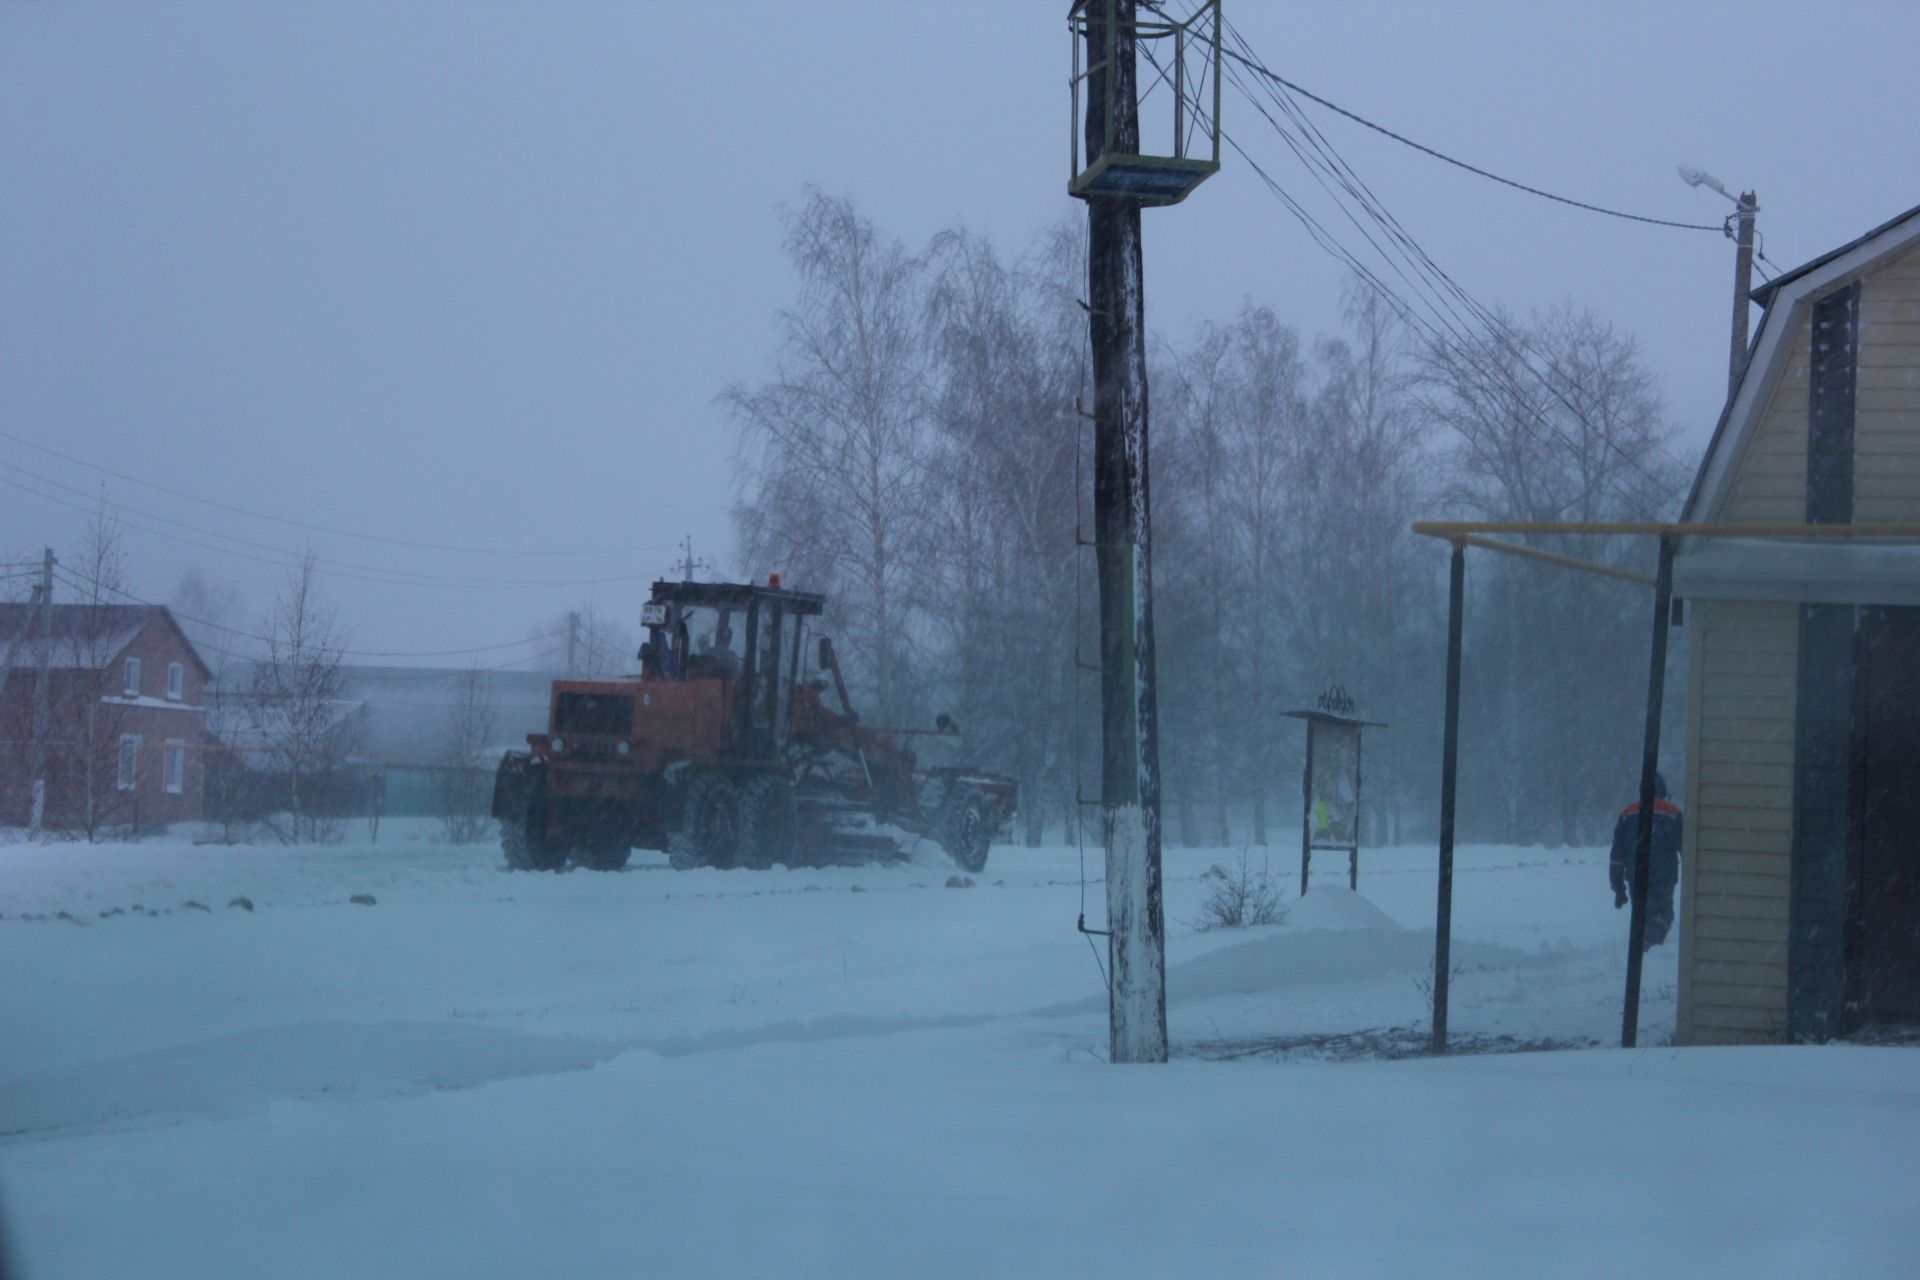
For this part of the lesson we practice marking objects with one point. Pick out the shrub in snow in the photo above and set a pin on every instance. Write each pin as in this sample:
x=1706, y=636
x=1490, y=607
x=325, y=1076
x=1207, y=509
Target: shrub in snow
x=959, y=882
x=1239, y=896
x=361, y=899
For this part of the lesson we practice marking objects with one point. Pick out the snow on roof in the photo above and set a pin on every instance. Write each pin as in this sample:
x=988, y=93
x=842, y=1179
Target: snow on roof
x=88, y=637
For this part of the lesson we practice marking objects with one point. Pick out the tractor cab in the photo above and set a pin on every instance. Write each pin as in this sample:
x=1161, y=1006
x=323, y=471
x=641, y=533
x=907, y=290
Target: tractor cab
x=750, y=636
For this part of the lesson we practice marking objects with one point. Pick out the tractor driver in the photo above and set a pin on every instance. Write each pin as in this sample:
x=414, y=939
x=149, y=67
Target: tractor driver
x=726, y=663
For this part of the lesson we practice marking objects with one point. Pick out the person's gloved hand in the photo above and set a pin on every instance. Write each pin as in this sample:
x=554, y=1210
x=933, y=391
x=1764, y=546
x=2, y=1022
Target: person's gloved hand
x=1619, y=898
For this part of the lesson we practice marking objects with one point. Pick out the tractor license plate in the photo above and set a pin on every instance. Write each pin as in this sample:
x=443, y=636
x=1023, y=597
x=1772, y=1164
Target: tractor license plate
x=653, y=615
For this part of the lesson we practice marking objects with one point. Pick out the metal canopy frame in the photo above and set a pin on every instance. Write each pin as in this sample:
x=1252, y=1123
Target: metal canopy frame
x=1485, y=535
x=1150, y=179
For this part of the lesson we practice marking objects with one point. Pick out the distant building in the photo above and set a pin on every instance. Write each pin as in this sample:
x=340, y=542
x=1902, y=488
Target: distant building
x=126, y=718
x=398, y=722
x=407, y=717
x=1800, y=916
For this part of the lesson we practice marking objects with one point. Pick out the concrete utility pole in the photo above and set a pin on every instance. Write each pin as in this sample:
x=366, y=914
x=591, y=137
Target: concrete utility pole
x=573, y=644
x=39, y=811
x=687, y=563
x=1130, y=748
x=1742, y=283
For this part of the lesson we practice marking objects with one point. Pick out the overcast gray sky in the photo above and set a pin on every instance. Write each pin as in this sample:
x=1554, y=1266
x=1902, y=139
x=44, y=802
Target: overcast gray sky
x=472, y=274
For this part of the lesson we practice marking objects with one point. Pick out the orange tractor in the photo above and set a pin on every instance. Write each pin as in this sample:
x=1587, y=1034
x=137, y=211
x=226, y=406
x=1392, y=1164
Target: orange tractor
x=723, y=752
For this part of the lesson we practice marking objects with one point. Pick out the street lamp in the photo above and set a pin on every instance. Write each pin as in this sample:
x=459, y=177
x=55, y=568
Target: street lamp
x=1701, y=178
x=1745, y=207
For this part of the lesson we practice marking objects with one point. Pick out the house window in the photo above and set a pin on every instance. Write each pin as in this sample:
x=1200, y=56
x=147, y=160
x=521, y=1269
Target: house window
x=176, y=678
x=131, y=687
x=129, y=761
x=176, y=766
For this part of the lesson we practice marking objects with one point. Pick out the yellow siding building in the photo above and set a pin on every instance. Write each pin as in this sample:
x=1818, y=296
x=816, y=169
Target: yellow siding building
x=1800, y=916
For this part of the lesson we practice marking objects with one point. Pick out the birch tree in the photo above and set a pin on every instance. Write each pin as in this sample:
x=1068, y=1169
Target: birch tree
x=1007, y=341
x=298, y=709
x=834, y=445
x=89, y=718
x=1558, y=420
x=464, y=784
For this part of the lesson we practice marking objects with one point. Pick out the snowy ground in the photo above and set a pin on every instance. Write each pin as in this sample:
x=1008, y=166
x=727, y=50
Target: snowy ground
x=863, y=1072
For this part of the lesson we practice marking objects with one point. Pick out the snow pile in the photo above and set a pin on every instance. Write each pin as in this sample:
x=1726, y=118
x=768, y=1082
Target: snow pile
x=1331, y=906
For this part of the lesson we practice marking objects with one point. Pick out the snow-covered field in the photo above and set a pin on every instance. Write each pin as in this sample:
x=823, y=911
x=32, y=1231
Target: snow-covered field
x=864, y=1072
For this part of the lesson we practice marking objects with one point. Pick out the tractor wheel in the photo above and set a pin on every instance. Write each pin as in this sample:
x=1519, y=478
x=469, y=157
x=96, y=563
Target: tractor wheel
x=965, y=830
x=524, y=840
x=604, y=857
x=709, y=834
x=768, y=824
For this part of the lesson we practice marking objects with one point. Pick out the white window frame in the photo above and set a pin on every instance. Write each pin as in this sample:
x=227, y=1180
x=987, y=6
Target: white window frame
x=176, y=680
x=175, y=768
x=127, y=769
x=130, y=681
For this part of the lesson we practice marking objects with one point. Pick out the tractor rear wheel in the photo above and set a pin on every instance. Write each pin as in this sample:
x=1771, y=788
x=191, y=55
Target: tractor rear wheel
x=709, y=834
x=965, y=830
x=768, y=824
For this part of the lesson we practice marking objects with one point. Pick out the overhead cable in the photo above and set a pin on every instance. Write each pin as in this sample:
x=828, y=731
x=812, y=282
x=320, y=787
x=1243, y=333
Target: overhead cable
x=321, y=528
x=1328, y=158
x=1260, y=69
x=395, y=577
x=1498, y=383
x=81, y=582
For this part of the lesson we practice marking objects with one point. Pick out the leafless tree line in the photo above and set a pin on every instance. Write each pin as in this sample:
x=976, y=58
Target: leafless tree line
x=917, y=453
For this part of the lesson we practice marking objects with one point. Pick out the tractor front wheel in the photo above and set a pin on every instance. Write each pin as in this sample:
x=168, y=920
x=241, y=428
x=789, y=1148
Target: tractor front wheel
x=709, y=834
x=523, y=839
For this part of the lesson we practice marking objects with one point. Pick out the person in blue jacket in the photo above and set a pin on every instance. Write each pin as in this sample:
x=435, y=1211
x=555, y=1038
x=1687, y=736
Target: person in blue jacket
x=1663, y=871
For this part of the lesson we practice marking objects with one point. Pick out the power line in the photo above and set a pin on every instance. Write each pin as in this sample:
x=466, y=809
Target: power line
x=1333, y=247
x=1259, y=69
x=321, y=528
x=395, y=577
x=80, y=582
x=1433, y=279
x=1515, y=343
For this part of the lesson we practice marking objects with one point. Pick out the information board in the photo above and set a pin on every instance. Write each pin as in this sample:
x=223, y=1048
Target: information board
x=1334, y=785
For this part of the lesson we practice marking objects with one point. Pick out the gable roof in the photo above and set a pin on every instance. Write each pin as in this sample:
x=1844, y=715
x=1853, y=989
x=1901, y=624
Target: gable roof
x=1764, y=294
x=88, y=637
x=1786, y=299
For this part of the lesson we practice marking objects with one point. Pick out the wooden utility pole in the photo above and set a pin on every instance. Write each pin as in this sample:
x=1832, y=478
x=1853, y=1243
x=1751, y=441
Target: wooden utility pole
x=20, y=634
x=39, y=811
x=1130, y=749
x=1742, y=284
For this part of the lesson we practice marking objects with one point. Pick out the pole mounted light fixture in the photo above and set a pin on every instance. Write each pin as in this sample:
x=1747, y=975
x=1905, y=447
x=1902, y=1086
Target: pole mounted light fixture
x=1694, y=177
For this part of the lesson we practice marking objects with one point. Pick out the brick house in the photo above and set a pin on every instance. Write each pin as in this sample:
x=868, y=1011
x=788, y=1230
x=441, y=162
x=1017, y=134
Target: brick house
x=126, y=718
